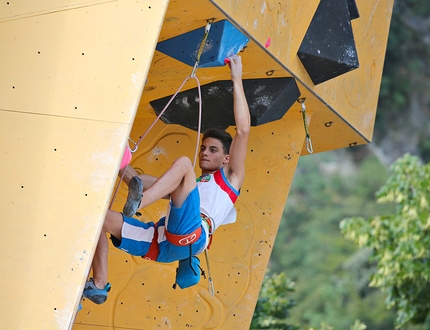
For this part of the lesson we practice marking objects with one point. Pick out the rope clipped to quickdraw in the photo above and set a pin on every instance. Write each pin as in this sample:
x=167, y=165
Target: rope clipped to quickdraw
x=305, y=123
x=136, y=144
x=193, y=75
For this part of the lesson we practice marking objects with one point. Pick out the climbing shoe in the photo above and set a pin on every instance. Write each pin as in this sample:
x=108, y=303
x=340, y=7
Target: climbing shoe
x=135, y=190
x=93, y=293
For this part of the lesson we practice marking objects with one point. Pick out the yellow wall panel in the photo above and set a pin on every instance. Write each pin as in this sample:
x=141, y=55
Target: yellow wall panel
x=89, y=60
x=12, y=10
x=72, y=76
x=91, y=64
x=54, y=194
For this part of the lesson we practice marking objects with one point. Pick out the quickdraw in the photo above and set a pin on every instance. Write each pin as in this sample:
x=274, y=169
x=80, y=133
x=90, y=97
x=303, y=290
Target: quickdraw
x=305, y=123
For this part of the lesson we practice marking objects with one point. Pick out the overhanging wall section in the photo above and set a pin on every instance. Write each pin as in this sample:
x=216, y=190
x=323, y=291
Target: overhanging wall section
x=352, y=96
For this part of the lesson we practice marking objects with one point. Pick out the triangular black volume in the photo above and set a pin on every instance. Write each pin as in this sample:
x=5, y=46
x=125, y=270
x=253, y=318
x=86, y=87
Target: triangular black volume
x=353, y=10
x=268, y=99
x=328, y=48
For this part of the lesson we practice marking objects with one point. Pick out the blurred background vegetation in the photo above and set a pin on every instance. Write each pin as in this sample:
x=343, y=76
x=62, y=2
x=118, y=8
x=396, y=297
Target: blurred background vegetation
x=320, y=279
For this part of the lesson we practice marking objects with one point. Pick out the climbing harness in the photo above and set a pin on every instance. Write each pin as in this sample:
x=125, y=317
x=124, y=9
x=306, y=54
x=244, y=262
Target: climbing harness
x=183, y=240
x=305, y=123
x=208, y=221
x=154, y=248
x=184, y=278
x=179, y=240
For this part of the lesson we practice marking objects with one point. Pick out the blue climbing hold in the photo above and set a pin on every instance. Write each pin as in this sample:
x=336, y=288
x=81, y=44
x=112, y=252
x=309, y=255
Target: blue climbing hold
x=224, y=40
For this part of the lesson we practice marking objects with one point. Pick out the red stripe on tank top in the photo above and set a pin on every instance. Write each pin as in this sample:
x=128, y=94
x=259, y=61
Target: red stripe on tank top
x=224, y=186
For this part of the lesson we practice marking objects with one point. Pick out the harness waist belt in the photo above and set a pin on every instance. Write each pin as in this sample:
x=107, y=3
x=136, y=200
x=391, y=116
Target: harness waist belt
x=183, y=240
x=188, y=239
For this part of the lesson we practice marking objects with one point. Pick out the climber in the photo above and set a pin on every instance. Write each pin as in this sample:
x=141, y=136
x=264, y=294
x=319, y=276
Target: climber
x=197, y=207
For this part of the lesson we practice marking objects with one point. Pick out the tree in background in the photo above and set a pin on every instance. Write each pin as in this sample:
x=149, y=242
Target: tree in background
x=330, y=273
x=273, y=305
x=400, y=242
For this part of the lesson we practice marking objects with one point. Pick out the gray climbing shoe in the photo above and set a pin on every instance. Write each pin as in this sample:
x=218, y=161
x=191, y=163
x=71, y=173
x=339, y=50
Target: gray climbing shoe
x=135, y=191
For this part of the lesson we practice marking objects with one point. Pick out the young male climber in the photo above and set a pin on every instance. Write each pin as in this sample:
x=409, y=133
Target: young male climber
x=196, y=209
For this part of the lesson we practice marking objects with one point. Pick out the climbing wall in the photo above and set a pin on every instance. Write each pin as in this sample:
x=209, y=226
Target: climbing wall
x=72, y=75
x=142, y=296
x=79, y=77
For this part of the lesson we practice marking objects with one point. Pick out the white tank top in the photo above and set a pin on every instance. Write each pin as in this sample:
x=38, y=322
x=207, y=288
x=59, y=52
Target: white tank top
x=217, y=198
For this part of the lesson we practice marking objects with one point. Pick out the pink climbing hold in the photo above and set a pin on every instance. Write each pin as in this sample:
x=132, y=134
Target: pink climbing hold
x=267, y=43
x=227, y=61
x=126, y=158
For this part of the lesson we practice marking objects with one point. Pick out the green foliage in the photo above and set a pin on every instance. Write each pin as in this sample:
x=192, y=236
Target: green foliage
x=356, y=326
x=400, y=241
x=323, y=326
x=273, y=304
x=312, y=252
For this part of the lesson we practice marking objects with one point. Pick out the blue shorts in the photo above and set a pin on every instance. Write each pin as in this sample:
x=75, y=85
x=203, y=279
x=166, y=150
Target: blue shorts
x=137, y=235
